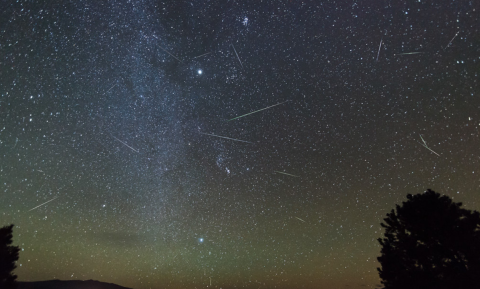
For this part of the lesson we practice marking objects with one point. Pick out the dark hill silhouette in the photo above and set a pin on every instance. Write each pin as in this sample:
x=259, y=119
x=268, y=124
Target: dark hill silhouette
x=73, y=284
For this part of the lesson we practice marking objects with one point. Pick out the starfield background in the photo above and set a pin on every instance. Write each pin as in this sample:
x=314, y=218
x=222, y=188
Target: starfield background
x=122, y=158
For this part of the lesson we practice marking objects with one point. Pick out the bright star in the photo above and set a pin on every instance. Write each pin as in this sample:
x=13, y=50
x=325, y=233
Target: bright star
x=199, y=71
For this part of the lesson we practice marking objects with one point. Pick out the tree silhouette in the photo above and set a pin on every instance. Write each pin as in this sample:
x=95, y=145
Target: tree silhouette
x=8, y=257
x=430, y=242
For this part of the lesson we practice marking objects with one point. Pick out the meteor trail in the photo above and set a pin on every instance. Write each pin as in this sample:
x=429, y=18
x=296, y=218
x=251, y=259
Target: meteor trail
x=110, y=88
x=300, y=219
x=379, y=46
x=202, y=55
x=226, y=137
x=237, y=56
x=408, y=53
x=164, y=48
x=168, y=52
x=451, y=40
x=43, y=204
x=425, y=145
x=257, y=110
x=137, y=151
x=287, y=174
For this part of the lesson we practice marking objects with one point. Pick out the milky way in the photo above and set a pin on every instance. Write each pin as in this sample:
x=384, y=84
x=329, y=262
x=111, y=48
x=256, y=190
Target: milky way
x=175, y=144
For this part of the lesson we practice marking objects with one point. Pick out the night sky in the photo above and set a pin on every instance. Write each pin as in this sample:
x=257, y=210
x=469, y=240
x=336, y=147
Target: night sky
x=121, y=160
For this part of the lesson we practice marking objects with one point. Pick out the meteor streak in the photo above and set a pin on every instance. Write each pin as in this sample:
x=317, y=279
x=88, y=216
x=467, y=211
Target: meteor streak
x=408, y=53
x=168, y=53
x=300, y=219
x=237, y=56
x=225, y=137
x=425, y=145
x=137, y=151
x=451, y=40
x=257, y=110
x=43, y=204
x=110, y=88
x=287, y=174
x=379, y=46
x=202, y=55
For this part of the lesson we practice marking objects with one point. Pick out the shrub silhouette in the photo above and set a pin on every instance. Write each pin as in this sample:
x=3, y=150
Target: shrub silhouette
x=430, y=242
x=8, y=257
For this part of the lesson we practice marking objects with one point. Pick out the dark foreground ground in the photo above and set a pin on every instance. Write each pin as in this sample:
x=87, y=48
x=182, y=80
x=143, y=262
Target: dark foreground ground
x=58, y=284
